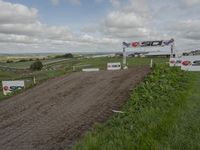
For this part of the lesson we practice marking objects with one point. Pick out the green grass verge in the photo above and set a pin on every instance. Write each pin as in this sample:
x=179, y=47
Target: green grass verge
x=162, y=113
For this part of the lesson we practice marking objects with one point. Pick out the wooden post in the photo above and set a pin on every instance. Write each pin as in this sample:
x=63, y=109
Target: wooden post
x=151, y=63
x=34, y=80
x=74, y=68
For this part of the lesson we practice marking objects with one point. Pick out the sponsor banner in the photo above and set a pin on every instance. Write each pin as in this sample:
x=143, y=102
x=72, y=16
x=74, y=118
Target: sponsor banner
x=160, y=43
x=114, y=66
x=151, y=43
x=126, y=44
x=135, y=44
x=190, y=63
x=176, y=61
x=167, y=43
x=11, y=86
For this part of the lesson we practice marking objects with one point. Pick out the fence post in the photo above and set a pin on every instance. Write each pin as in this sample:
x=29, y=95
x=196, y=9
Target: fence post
x=73, y=68
x=34, y=80
x=151, y=63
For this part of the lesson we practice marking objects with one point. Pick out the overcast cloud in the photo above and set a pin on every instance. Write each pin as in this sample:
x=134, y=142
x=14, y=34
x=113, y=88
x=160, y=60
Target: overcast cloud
x=21, y=28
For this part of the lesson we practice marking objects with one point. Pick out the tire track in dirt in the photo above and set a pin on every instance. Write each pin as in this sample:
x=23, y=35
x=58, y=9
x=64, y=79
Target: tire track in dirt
x=56, y=113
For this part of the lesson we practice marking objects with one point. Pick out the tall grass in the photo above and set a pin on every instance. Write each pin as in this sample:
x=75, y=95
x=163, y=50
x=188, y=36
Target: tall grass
x=150, y=114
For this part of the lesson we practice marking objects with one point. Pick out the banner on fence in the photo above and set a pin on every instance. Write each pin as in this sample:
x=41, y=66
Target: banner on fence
x=12, y=86
x=190, y=63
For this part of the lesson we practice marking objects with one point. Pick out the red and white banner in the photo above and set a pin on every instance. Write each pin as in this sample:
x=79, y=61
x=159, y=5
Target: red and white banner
x=135, y=44
x=190, y=63
x=149, y=43
x=12, y=86
x=175, y=61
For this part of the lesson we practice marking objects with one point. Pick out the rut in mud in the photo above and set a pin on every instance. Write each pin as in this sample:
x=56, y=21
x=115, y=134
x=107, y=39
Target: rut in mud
x=56, y=113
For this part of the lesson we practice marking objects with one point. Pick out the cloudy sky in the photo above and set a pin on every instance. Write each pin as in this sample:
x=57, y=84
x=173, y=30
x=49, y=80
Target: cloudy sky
x=33, y=26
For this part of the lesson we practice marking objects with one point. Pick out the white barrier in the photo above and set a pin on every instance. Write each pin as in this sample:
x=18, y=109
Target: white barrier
x=114, y=66
x=11, y=86
x=175, y=61
x=190, y=63
x=90, y=69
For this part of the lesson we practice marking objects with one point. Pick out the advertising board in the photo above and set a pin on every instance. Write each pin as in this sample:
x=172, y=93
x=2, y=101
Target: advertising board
x=175, y=61
x=114, y=66
x=12, y=86
x=190, y=63
x=160, y=43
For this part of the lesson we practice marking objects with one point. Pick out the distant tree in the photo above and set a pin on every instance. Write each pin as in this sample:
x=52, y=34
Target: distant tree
x=22, y=60
x=9, y=61
x=67, y=55
x=37, y=65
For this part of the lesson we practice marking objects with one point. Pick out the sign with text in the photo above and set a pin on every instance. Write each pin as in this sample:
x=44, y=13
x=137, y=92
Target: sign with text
x=12, y=86
x=160, y=43
x=175, y=61
x=190, y=63
x=114, y=66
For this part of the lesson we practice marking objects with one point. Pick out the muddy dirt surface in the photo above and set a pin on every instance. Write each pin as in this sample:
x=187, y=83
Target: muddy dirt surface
x=53, y=115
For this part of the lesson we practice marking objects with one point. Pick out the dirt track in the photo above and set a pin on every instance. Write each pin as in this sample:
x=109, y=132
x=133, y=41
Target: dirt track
x=56, y=113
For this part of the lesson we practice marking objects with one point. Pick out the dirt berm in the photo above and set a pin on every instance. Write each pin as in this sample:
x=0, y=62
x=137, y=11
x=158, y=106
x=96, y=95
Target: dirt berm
x=53, y=115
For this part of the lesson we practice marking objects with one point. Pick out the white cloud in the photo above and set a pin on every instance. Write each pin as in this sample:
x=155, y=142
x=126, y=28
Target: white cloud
x=121, y=19
x=57, y=2
x=188, y=29
x=16, y=13
x=139, y=7
x=128, y=22
x=190, y=2
x=76, y=2
x=19, y=26
x=21, y=29
x=94, y=40
x=99, y=1
x=115, y=3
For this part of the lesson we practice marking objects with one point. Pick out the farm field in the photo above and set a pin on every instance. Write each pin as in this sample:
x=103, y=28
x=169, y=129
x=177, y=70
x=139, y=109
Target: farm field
x=53, y=114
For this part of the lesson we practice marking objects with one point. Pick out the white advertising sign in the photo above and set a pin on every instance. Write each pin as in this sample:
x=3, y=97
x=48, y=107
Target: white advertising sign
x=90, y=69
x=190, y=63
x=175, y=61
x=114, y=66
x=11, y=86
x=172, y=62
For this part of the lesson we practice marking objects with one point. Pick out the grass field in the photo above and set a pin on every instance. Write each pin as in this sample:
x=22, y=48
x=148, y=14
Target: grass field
x=26, y=64
x=94, y=62
x=57, y=67
x=162, y=113
x=185, y=133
